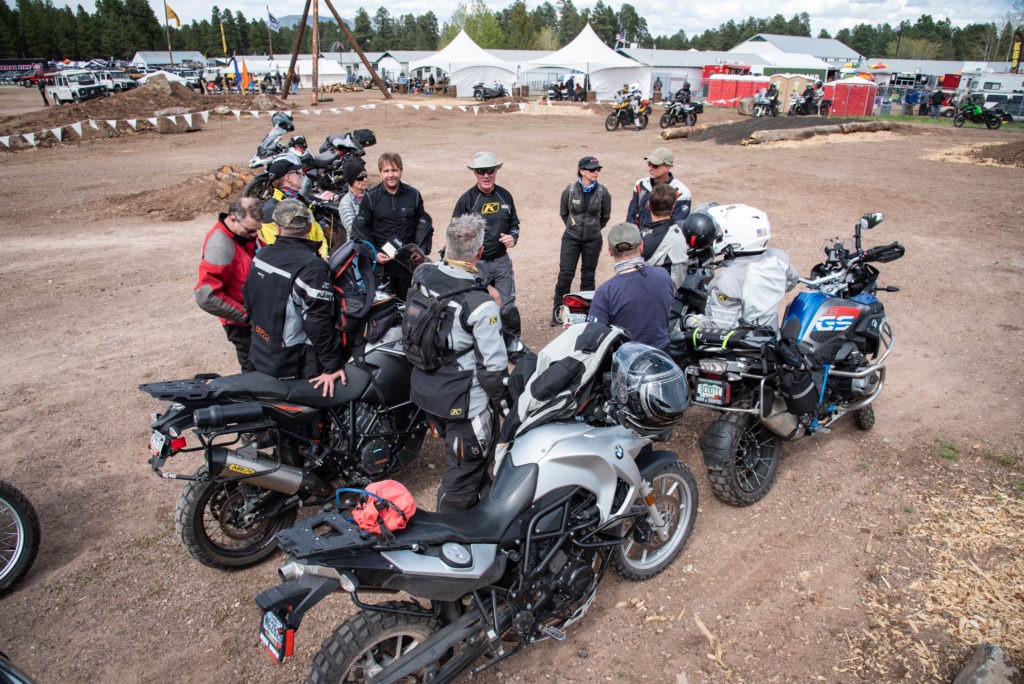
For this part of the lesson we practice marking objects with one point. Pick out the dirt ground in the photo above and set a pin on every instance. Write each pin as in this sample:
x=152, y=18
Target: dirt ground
x=880, y=555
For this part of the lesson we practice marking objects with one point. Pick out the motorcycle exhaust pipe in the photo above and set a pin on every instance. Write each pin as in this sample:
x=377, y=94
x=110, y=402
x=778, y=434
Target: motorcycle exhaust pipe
x=217, y=416
x=262, y=472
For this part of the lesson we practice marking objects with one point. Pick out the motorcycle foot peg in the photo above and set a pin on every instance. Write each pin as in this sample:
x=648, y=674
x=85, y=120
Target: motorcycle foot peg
x=554, y=633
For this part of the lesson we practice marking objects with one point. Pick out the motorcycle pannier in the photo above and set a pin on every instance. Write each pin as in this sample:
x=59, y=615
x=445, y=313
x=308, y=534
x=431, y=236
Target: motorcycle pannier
x=364, y=136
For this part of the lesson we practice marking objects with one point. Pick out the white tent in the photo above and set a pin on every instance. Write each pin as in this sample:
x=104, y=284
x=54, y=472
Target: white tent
x=468, y=64
x=607, y=69
x=330, y=71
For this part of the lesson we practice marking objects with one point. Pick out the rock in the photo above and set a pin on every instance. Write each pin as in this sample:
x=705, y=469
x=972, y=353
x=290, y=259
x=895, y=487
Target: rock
x=746, y=107
x=179, y=124
x=988, y=665
x=223, y=110
x=223, y=190
x=159, y=84
x=263, y=103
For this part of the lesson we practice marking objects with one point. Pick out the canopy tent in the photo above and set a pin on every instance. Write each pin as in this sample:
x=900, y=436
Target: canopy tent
x=468, y=64
x=330, y=71
x=606, y=69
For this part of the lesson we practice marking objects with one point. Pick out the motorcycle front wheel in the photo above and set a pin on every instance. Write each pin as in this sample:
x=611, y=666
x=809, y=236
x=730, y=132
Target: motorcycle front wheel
x=993, y=121
x=666, y=120
x=750, y=453
x=220, y=526
x=644, y=555
x=959, y=120
x=261, y=187
x=368, y=642
x=19, y=535
x=612, y=122
x=691, y=119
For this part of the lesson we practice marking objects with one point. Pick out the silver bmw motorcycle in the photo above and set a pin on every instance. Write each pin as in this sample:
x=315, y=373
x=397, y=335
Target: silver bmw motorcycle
x=579, y=488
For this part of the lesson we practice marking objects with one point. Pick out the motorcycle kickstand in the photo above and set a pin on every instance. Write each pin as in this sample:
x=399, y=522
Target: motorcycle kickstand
x=654, y=516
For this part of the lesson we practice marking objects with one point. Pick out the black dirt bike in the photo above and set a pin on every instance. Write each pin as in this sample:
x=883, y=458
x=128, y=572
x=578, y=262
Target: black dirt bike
x=271, y=446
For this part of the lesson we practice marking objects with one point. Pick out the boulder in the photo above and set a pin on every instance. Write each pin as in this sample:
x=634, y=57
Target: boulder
x=988, y=665
x=179, y=124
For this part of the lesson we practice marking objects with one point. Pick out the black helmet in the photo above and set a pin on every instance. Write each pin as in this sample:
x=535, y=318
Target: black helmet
x=284, y=121
x=700, y=230
x=649, y=387
x=284, y=164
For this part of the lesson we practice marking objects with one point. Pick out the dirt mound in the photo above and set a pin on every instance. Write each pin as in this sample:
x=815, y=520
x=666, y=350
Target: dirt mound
x=1007, y=154
x=207, y=194
x=732, y=134
x=139, y=103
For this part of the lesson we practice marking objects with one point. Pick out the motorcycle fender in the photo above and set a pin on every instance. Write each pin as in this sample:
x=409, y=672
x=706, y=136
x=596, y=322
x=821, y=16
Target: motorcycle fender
x=291, y=599
x=650, y=461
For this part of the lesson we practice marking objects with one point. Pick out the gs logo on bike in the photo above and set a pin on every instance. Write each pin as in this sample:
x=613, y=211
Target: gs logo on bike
x=490, y=208
x=837, y=318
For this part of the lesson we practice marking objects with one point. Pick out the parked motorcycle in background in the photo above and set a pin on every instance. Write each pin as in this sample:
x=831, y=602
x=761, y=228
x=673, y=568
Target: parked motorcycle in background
x=973, y=112
x=579, y=489
x=482, y=92
x=829, y=361
x=798, y=106
x=19, y=535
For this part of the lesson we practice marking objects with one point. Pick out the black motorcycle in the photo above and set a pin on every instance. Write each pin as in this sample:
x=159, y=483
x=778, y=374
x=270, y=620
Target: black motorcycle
x=798, y=106
x=681, y=112
x=19, y=536
x=482, y=92
x=271, y=446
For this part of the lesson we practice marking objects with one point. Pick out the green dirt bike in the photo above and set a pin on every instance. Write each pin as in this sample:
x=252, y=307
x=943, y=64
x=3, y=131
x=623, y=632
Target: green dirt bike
x=973, y=112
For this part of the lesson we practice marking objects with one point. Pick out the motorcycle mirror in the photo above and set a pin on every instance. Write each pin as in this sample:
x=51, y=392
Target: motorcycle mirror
x=869, y=221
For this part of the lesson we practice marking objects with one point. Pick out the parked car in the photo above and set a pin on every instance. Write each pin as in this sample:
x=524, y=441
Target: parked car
x=115, y=80
x=11, y=77
x=75, y=85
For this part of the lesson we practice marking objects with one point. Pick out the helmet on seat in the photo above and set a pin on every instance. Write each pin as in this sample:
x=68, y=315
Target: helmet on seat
x=284, y=121
x=700, y=230
x=648, y=386
x=744, y=229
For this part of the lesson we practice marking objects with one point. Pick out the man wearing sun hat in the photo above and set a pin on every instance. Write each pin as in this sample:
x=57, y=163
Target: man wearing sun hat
x=638, y=297
x=495, y=204
x=586, y=208
x=659, y=170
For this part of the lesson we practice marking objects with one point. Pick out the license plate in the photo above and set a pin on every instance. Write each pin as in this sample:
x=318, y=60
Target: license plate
x=280, y=642
x=714, y=392
x=156, y=443
x=570, y=319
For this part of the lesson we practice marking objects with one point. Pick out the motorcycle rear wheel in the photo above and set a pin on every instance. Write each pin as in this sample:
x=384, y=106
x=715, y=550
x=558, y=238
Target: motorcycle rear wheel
x=209, y=530
x=19, y=536
x=612, y=122
x=993, y=121
x=691, y=119
x=675, y=490
x=959, y=120
x=367, y=642
x=751, y=454
x=666, y=120
x=478, y=95
x=644, y=120
x=261, y=187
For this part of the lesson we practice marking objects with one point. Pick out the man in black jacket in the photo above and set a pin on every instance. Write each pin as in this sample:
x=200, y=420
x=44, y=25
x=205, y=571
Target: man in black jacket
x=290, y=302
x=586, y=207
x=391, y=215
x=495, y=204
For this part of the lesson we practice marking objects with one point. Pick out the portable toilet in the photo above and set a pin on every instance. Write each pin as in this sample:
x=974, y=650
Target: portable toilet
x=852, y=96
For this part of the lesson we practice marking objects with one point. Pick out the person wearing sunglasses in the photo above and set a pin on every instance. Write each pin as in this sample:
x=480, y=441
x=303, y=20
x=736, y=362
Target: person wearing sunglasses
x=495, y=204
x=659, y=170
x=353, y=170
x=289, y=170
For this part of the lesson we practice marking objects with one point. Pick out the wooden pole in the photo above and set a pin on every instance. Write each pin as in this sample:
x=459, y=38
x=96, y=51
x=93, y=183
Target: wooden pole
x=316, y=52
x=167, y=30
x=295, y=52
x=355, y=46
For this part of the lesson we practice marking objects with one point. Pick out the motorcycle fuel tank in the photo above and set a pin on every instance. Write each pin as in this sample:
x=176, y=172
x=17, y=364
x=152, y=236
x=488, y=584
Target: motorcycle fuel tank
x=825, y=319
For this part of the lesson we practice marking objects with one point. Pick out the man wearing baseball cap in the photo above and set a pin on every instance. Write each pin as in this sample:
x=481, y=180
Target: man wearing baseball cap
x=586, y=208
x=638, y=298
x=290, y=302
x=495, y=204
x=289, y=170
x=659, y=170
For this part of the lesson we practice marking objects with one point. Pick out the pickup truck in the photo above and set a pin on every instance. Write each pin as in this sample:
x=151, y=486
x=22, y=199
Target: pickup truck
x=75, y=85
x=32, y=78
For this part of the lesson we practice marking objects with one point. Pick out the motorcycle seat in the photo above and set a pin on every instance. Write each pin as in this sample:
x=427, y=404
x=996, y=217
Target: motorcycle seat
x=263, y=387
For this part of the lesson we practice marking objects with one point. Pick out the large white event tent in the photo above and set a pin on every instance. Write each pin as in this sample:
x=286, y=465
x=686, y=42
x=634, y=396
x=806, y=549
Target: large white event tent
x=468, y=64
x=607, y=69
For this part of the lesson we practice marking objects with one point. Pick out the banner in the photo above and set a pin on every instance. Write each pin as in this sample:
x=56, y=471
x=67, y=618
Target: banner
x=245, y=77
x=223, y=42
x=272, y=22
x=171, y=15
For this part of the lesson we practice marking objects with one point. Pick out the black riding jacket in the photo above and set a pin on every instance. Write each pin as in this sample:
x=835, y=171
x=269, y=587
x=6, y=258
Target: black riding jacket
x=498, y=210
x=383, y=217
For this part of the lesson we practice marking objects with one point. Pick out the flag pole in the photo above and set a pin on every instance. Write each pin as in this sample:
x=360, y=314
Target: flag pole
x=167, y=30
x=270, y=40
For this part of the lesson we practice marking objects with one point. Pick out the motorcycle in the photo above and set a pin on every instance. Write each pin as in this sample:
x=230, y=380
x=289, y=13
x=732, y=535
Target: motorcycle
x=622, y=114
x=973, y=112
x=271, y=446
x=798, y=106
x=19, y=535
x=681, y=112
x=765, y=106
x=482, y=92
x=570, y=497
x=829, y=361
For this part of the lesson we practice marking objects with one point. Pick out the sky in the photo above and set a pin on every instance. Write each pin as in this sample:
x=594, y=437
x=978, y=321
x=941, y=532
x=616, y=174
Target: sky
x=664, y=17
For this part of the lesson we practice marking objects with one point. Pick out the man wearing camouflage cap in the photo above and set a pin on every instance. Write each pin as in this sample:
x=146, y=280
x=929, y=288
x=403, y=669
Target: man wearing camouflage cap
x=659, y=170
x=290, y=301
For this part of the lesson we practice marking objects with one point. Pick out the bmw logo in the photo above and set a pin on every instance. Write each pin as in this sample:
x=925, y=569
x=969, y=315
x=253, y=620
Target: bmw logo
x=618, y=452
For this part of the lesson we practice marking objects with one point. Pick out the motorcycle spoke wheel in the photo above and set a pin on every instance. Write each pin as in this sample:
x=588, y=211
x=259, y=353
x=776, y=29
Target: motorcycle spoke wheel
x=691, y=119
x=218, y=530
x=612, y=122
x=750, y=453
x=666, y=120
x=644, y=554
x=368, y=642
x=644, y=120
x=19, y=536
x=959, y=120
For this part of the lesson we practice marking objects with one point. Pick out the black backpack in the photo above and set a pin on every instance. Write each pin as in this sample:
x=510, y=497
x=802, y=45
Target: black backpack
x=355, y=286
x=427, y=319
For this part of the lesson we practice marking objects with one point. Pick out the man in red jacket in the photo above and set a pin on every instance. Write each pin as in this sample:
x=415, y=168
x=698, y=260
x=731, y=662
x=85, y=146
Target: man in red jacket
x=227, y=255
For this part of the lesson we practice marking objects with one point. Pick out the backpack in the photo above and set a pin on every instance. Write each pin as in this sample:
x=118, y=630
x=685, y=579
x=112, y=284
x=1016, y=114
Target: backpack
x=355, y=286
x=427, y=320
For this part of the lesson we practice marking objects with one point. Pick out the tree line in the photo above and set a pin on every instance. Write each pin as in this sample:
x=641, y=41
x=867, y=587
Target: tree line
x=118, y=28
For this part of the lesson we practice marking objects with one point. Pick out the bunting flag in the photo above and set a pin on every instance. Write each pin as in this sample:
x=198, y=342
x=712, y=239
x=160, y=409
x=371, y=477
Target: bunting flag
x=58, y=133
x=255, y=114
x=133, y=123
x=205, y=115
x=462, y=109
x=272, y=22
x=416, y=107
x=30, y=137
x=6, y=140
x=112, y=123
x=188, y=119
x=237, y=113
x=93, y=124
x=152, y=121
x=400, y=105
x=171, y=15
x=173, y=119
x=77, y=128
x=476, y=110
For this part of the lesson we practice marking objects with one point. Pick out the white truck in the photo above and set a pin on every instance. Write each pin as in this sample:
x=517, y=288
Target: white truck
x=115, y=80
x=74, y=85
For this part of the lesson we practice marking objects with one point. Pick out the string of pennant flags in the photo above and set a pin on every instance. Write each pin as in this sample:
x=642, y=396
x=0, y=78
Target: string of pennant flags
x=78, y=127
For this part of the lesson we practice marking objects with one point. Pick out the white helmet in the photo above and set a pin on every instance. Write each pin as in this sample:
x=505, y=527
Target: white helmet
x=634, y=86
x=743, y=229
